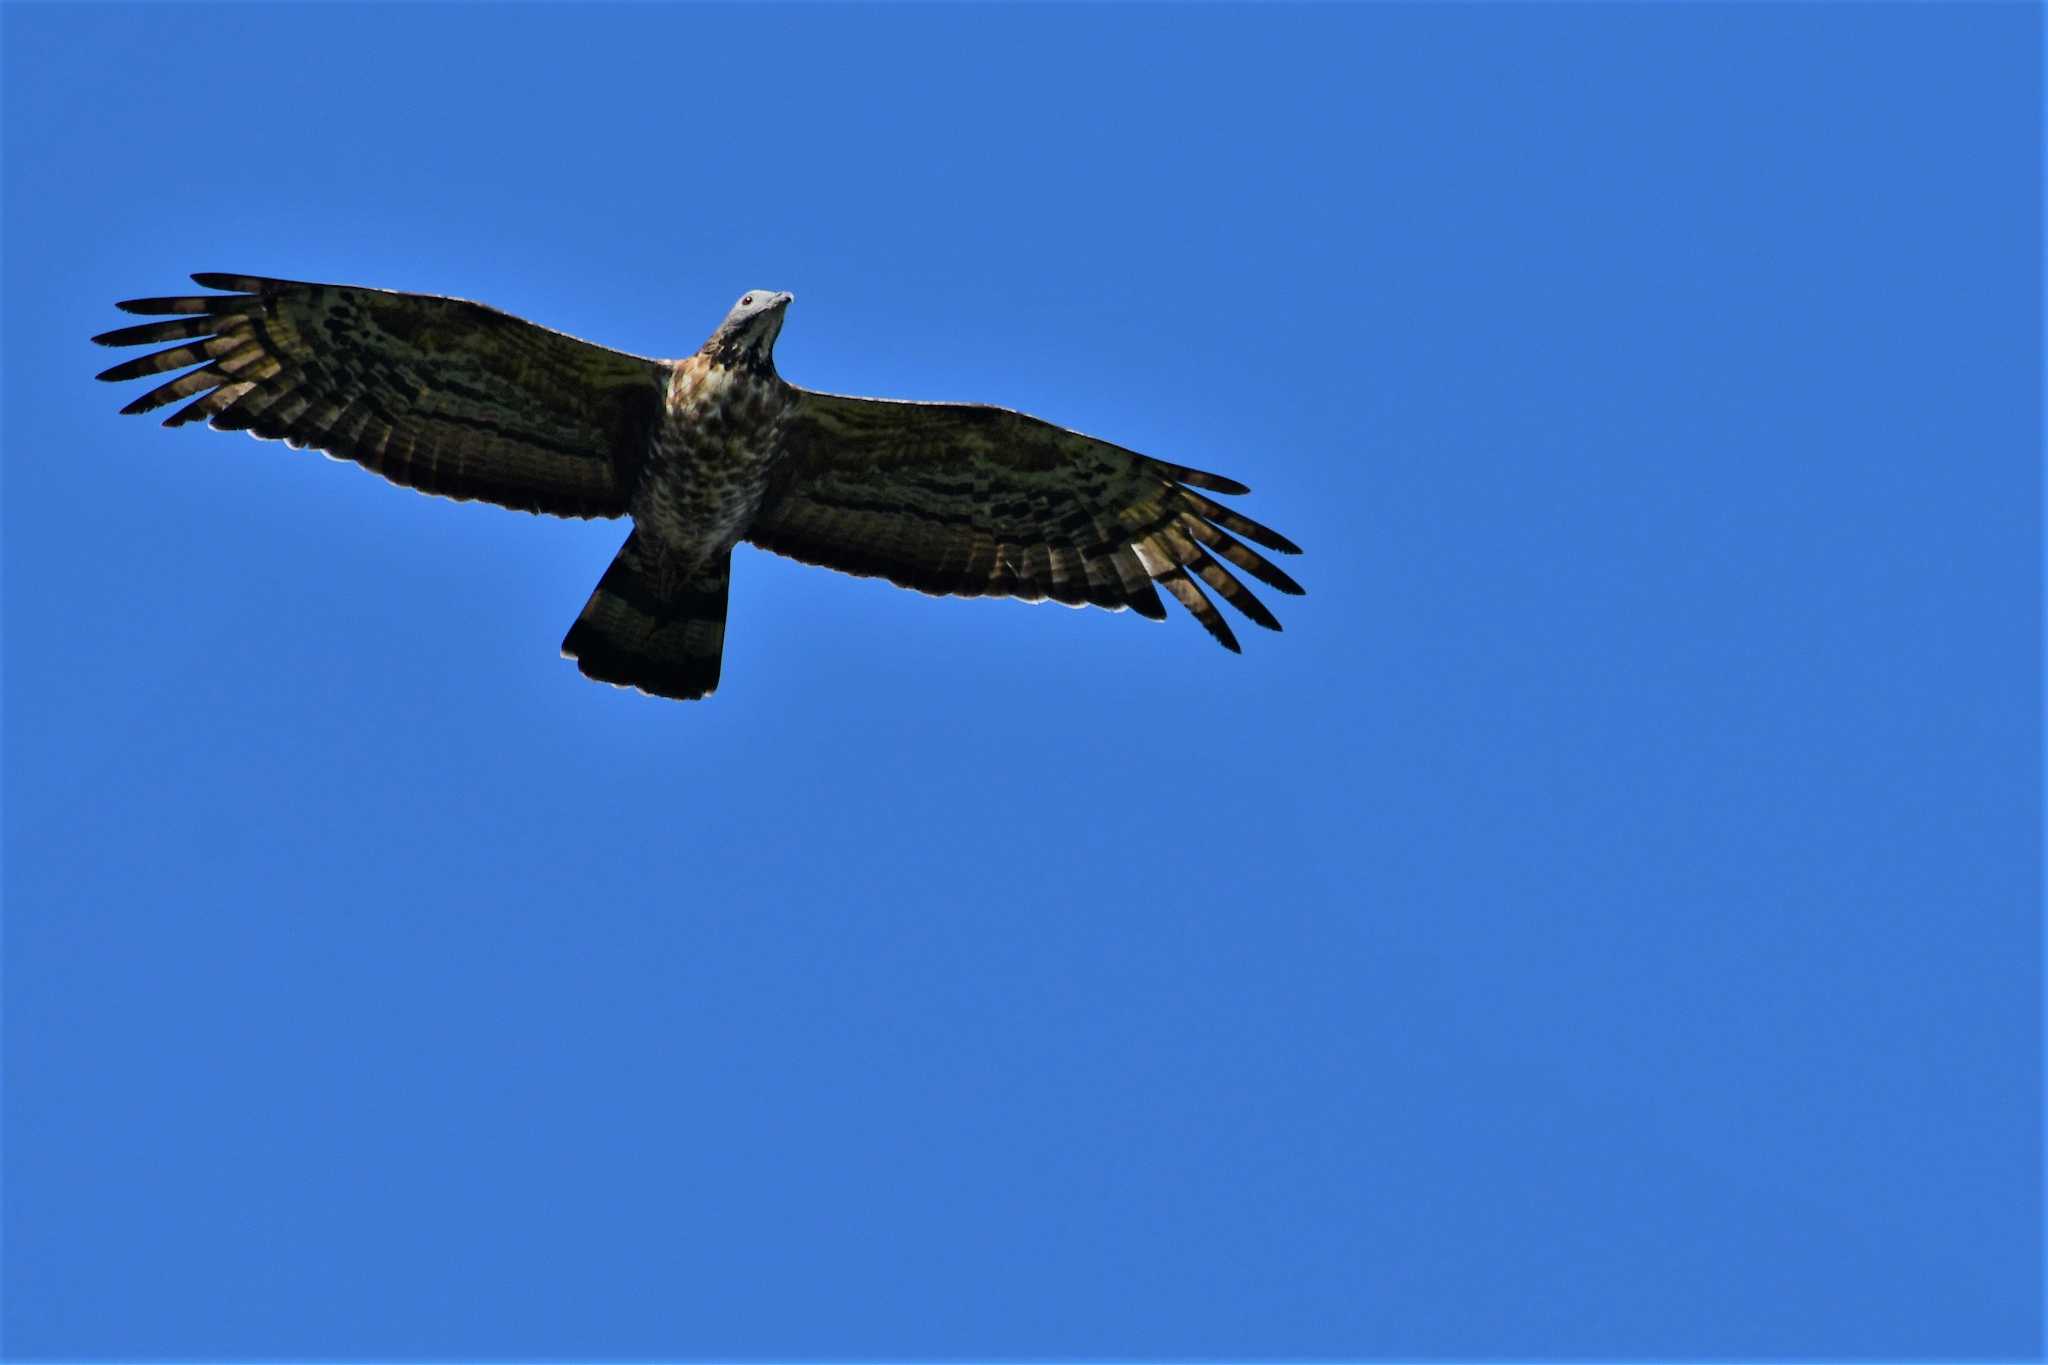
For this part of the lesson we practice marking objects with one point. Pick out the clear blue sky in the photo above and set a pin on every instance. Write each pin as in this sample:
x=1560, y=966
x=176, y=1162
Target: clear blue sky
x=1605, y=923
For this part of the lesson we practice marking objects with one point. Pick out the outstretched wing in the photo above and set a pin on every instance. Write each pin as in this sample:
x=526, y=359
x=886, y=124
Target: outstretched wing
x=964, y=500
x=442, y=395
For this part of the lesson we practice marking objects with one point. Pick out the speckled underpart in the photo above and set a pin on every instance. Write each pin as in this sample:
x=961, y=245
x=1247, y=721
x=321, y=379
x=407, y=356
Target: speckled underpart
x=657, y=620
x=708, y=461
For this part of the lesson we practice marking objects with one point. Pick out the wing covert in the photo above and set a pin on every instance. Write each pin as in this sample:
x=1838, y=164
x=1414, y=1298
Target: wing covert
x=439, y=394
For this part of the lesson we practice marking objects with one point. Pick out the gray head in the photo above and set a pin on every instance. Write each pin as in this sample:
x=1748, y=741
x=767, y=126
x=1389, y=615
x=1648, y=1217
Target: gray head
x=747, y=336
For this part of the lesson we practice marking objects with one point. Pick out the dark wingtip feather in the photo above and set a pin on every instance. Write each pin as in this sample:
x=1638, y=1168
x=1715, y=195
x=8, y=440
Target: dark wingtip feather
x=167, y=329
x=1147, y=604
x=239, y=284
x=1199, y=478
x=1236, y=521
x=1269, y=574
x=187, y=303
x=1177, y=582
x=156, y=362
x=1246, y=558
x=1230, y=590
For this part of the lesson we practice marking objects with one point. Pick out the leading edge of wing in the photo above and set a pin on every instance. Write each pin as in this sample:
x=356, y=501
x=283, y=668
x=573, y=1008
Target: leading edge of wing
x=241, y=288
x=1194, y=478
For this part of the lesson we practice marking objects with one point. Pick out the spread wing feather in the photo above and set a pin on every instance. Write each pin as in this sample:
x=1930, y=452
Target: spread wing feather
x=959, y=499
x=443, y=395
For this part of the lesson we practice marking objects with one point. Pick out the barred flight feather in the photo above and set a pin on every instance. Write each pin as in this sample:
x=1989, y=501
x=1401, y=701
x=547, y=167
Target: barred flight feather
x=467, y=402
x=964, y=500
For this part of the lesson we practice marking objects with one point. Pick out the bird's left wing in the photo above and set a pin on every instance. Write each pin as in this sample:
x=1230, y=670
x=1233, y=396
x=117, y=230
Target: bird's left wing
x=964, y=500
x=438, y=394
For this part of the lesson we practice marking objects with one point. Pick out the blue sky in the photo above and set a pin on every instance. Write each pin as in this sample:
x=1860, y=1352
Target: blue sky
x=1605, y=923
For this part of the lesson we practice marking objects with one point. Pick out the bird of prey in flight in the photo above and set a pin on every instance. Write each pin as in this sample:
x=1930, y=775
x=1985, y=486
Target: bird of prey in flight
x=458, y=399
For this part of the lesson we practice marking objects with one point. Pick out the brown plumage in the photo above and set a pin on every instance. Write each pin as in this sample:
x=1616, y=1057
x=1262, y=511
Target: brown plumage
x=458, y=399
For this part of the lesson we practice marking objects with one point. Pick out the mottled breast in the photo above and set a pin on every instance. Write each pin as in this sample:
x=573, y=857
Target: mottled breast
x=708, y=462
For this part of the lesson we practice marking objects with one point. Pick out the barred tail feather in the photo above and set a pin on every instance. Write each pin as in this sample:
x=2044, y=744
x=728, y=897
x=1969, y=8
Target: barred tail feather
x=661, y=632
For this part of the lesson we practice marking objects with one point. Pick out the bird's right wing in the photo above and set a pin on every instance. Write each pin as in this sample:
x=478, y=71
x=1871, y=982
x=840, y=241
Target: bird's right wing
x=965, y=500
x=443, y=395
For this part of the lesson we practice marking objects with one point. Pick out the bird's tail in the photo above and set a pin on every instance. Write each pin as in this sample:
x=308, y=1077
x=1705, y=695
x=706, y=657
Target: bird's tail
x=652, y=626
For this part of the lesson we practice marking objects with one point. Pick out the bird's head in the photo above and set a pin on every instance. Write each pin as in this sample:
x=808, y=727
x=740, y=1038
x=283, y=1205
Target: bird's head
x=747, y=336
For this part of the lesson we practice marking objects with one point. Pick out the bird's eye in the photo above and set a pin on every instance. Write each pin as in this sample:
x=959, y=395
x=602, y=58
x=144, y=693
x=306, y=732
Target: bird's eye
x=747, y=300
